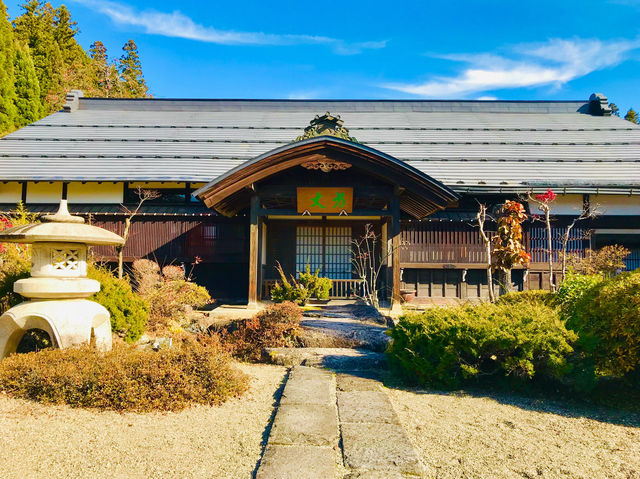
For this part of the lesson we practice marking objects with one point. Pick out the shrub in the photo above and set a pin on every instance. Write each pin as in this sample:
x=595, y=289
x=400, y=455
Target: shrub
x=126, y=378
x=535, y=296
x=606, y=316
x=12, y=268
x=129, y=312
x=445, y=347
x=276, y=326
x=605, y=261
x=293, y=291
x=573, y=288
x=318, y=287
x=168, y=292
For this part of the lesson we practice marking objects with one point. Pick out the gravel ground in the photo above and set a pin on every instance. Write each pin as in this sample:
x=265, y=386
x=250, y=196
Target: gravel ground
x=465, y=436
x=39, y=441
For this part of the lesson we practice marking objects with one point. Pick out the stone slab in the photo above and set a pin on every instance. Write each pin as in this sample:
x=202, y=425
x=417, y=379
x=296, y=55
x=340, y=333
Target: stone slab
x=305, y=424
x=342, y=359
x=379, y=475
x=303, y=372
x=366, y=406
x=355, y=382
x=313, y=391
x=297, y=462
x=379, y=447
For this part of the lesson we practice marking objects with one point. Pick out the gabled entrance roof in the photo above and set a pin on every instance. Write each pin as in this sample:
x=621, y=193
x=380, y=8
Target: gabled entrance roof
x=420, y=195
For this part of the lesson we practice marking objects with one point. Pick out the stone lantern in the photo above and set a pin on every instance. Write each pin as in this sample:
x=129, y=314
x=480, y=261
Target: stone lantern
x=58, y=287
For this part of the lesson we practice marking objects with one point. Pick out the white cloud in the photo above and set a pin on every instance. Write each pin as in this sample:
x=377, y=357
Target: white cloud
x=178, y=25
x=555, y=62
x=487, y=98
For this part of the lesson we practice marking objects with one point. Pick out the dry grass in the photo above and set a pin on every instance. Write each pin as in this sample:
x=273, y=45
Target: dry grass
x=465, y=436
x=40, y=441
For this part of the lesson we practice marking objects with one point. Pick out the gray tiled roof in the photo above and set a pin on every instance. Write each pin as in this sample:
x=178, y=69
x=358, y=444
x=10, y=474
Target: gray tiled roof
x=468, y=145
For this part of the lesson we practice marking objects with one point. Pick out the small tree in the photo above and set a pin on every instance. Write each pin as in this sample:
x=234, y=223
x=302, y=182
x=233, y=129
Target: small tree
x=508, y=250
x=544, y=201
x=368, y=257
x=631, y=116
x=481, y=218
x=566, y=236
x=143, y=195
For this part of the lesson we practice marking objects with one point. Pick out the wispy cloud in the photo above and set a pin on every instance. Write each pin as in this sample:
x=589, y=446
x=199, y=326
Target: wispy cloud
x=554, y=62
x=178, y=25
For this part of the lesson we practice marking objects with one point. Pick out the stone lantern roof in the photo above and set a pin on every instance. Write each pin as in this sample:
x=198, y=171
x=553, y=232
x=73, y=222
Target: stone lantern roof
x=60, y=227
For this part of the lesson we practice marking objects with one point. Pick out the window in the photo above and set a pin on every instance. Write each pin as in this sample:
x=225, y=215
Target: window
x=324, y=247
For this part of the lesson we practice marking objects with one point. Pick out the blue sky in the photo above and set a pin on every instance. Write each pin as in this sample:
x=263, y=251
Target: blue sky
x=562, y=49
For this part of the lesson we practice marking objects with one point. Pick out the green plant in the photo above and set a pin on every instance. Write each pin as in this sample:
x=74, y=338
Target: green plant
x=129, y=312
x=126, y=378
x=294, y=290
x=276, y=326
x=606, y=316
x=318, y=287
x=446, y=347
x=536, y=296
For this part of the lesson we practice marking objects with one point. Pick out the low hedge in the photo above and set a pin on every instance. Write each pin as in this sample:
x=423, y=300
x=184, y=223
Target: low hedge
x=126, y=378
x=446, y=347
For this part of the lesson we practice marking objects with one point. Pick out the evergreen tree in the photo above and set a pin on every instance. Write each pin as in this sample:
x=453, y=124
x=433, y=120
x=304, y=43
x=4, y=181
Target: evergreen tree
x=29, y=107
x=104, y=74
x=8, y=112
x=631, y=116
x=34, y=29
x=130, y=68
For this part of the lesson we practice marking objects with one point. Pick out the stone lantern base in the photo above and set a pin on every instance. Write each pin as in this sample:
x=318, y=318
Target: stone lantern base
x=68, y=322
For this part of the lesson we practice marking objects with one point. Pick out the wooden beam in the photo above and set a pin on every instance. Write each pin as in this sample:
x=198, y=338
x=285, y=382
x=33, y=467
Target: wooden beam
x=395, y=251
x=254, y=245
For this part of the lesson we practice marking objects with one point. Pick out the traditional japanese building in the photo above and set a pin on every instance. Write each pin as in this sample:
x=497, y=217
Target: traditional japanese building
x=247, y=183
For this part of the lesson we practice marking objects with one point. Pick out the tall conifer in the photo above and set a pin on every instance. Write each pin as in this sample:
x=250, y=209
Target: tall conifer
x=131, y=72
x=34, y=28
x=7, y=78
x=29, y=107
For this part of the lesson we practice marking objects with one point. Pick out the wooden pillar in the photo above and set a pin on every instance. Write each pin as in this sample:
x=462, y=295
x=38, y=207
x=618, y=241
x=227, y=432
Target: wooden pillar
x=254, y=249
x=395, y=252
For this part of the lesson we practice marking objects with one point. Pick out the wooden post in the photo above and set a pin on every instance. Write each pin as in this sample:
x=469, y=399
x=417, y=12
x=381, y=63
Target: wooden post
x=395, y=252
x=254, y=245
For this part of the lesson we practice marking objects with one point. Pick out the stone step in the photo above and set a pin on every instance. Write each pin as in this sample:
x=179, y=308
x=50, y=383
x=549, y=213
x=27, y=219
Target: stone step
x=337, y=359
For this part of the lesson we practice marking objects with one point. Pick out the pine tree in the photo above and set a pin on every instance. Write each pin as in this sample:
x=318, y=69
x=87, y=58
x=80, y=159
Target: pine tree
x=134, y=85
x=631, y=116
x=29, y=107
x=104, y=74
x=34, y=29
x=8, y=112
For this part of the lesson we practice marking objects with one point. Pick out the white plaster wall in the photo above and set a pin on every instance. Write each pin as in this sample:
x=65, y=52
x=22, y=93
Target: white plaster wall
x=44, y=192
x=79, y=193
x=562, y=205
x=616, y=204
x=10, y=192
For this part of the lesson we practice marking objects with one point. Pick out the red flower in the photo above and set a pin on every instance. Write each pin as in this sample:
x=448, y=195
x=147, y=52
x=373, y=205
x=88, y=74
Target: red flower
x=547, y=197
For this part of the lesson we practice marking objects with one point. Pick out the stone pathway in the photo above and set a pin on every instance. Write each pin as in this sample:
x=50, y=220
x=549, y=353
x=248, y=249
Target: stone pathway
x=336, y=426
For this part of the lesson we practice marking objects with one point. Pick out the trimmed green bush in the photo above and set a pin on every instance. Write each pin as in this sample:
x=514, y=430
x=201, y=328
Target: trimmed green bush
x=446, y=347
x=536, y=296
x=129, y=312
x=126, y=378
x=606, y=316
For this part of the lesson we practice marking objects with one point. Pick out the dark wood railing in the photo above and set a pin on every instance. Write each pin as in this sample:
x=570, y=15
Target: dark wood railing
x=340, y=288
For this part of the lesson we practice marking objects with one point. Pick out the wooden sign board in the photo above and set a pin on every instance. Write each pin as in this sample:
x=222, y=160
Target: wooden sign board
x=325, y=200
